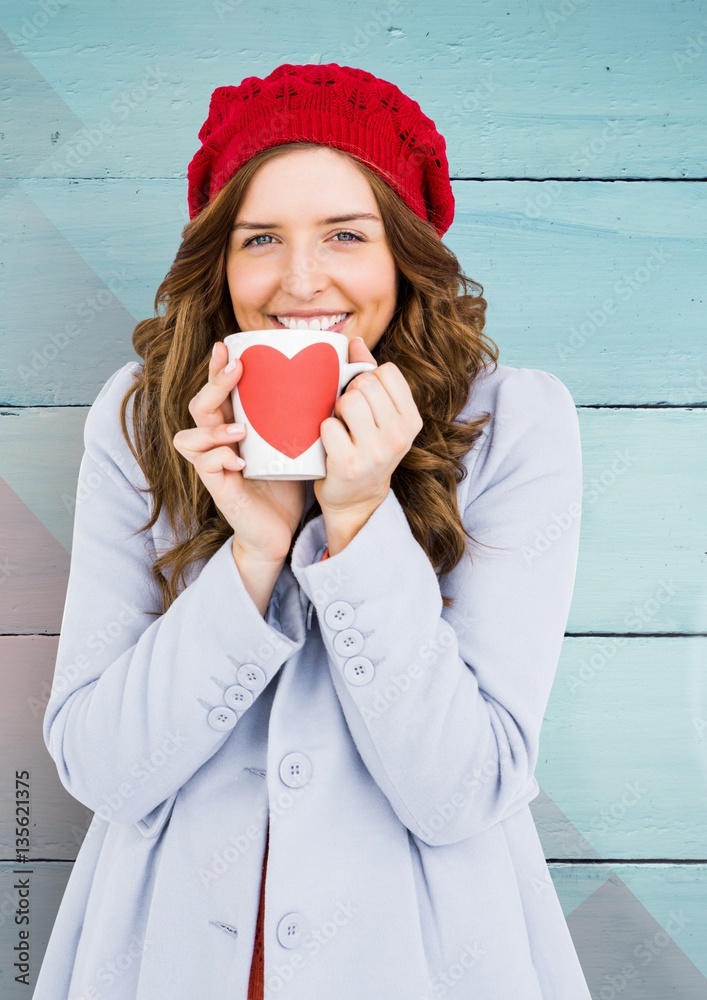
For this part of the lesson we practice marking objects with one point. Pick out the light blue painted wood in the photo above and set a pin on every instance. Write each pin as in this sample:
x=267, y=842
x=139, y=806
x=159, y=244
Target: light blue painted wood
x=624, y=748
x=642, y=546
x=614, y=784
x=102, y=123
x=642, y=554
x=650, y=917
x=54, y=436
x=522, y=89
x=58, y=822
x=601, y=284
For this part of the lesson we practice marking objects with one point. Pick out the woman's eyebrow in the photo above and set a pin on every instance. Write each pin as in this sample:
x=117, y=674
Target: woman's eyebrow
x=333, y=220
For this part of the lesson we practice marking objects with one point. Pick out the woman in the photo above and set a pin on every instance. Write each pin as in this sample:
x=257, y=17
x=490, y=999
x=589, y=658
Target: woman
x=336, y=684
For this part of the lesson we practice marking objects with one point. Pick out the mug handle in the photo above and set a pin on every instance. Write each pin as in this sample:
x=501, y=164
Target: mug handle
x=353, y=368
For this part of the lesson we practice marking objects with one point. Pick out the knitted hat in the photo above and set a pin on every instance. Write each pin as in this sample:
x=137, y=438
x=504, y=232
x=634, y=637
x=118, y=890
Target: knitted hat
x=333, y=105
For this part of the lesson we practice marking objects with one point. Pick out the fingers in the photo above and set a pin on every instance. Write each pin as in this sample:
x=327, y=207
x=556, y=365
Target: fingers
x=380, y=400
x=371, y=398
x=212, y=404
x=210, y=446
x=218, y=460
x=198, y=444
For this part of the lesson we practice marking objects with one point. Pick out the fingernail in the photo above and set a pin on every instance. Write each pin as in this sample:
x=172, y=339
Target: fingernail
x=230, y=366
x=213, y=350
x=235, y=428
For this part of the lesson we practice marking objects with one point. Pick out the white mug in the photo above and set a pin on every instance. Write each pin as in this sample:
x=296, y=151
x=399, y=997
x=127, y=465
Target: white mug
x=290, y=383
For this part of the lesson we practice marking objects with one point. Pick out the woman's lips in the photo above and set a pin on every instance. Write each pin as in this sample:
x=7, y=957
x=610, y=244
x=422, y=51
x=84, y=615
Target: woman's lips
x=332, y=329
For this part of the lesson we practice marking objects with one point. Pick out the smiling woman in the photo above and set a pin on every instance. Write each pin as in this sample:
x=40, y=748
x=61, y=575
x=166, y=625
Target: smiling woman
x=303, y=268
x=353, y=671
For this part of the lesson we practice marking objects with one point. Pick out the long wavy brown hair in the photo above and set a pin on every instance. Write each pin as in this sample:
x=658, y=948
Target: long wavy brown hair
x=435, y=337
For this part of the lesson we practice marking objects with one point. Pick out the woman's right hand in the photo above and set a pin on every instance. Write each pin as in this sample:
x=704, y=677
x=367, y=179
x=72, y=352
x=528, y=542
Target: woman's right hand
x=264, y=514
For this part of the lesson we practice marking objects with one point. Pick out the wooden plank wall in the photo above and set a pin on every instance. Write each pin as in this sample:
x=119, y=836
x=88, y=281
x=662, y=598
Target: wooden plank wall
x=577, y=141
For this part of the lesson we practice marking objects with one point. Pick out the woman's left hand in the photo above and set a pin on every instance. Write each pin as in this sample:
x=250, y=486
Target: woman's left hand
x=374, y=425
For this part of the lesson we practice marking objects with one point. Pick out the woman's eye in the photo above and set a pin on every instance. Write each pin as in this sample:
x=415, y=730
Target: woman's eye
x=267, y=236
x=347, y=233
x=260, y=236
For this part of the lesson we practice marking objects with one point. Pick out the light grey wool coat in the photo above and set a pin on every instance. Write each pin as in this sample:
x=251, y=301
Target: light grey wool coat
x=389, y=741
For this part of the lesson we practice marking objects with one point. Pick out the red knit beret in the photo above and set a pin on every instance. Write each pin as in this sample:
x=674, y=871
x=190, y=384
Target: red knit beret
x=333, y=105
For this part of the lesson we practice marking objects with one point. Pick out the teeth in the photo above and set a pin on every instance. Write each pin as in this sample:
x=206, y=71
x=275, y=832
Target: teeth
x=316, y=323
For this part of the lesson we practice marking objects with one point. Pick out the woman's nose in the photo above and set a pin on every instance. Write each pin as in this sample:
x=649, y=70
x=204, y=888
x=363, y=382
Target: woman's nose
x=303, y=274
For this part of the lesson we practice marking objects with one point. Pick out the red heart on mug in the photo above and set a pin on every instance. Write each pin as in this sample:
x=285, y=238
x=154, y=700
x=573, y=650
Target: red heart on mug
x=286, y=399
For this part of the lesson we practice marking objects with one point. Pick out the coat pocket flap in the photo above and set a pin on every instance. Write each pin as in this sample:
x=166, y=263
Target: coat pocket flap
x=153, y=823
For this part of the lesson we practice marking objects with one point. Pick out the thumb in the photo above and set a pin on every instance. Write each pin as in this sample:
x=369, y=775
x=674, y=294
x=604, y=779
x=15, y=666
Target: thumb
x=358, y=351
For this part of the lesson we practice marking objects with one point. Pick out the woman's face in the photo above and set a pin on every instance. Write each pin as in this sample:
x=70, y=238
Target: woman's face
x=285, y=260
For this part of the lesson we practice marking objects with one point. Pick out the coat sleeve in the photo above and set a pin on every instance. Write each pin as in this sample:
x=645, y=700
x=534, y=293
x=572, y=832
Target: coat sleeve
x=445, y=705
x=138, y=703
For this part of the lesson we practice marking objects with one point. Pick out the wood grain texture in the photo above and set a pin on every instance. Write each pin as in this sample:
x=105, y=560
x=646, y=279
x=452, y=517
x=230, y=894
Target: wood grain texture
x=600, y=283
x=642, y=553
x=58, y=822
x=521, y=89
x=576, y=138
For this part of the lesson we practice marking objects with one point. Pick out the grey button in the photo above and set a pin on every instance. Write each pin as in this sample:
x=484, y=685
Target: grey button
x=251, y=676
x=295, y=769
x=222, y=717
x=339, y=615
x=238, y=698
x=349, y=642
x=290, y=930
x=359, y=670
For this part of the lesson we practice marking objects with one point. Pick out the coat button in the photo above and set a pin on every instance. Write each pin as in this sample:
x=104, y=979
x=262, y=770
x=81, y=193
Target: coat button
x=290, y=930
x=238, y=698
x=222, y=717
x=295, y=769
x=348, y=642
x=251, y=676
x=339, y=615
x=359, y=670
